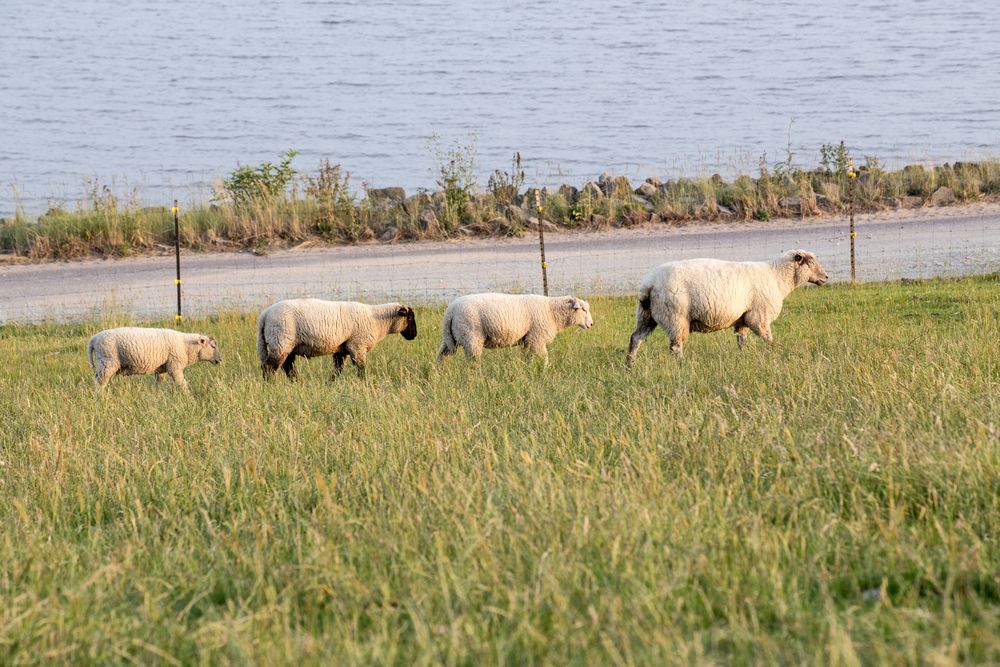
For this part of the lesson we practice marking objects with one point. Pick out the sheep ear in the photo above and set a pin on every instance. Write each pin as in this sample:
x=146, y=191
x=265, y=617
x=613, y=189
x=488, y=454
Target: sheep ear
x=403, y=311
x=576, y=305
x=798, y=258
x=202, y=340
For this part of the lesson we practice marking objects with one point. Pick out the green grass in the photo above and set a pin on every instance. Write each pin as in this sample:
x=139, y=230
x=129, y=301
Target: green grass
x=832, y=499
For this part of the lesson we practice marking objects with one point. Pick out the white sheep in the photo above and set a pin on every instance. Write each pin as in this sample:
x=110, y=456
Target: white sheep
x=138, y=351
x=706, y=295
x=315, y=328
x=476, y=321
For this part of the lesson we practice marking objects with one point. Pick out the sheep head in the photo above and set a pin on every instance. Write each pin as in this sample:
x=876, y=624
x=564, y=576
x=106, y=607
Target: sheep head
x=208, y=350
x=807, y=268
x=579, y=313
x=406, y=323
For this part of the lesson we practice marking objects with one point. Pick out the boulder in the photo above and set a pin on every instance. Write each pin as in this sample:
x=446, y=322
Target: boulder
x=547, y=226
x=599, y=220
x=942, y=196
x=390, y=196
x=647, y=190
x=654, y=181
x=428, y=219
x=592, y=190
x=823, y=203
x=417, y=202
x=642, y=202
x=614, y=185
x=724, y=212
x=910, y=201
x=532, y=198
x=791, y=204
x=569, y=193
x=388, y=235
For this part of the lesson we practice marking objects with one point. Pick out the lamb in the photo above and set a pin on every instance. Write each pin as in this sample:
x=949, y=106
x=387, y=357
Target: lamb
x=706, y=295
x=316, y=328
x=138, y=351
x=504, y=320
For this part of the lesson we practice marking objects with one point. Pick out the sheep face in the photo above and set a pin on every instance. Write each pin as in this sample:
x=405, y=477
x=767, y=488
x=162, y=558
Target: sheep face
x=208, y=350
x=580, y=313
x=405, y=323
x=808, y=269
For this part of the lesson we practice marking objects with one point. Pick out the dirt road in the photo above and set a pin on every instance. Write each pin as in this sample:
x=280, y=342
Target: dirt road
x=899, y=244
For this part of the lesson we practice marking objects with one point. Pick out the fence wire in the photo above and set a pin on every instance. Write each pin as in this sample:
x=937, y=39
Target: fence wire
x=586, y=264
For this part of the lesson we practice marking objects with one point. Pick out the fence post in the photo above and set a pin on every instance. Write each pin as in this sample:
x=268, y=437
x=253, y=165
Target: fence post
x=851, y=175
x=541, y=242
x=177, y=259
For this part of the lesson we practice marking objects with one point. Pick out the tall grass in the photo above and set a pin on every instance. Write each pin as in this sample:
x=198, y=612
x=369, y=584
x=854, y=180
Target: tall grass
x=832, y=499
x=266, y=207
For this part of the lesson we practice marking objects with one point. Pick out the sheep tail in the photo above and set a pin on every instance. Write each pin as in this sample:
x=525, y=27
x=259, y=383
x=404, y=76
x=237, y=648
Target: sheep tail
x=261, y=341
x=90, y=354
x=645, y=300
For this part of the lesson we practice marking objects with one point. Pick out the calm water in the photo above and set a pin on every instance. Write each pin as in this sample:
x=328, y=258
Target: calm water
x=169, y=96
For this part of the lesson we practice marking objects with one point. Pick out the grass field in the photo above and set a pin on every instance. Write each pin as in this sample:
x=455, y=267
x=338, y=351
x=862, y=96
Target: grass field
x=832, y=499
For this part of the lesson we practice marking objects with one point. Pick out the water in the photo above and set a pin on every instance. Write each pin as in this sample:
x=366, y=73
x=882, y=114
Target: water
x=166, y=97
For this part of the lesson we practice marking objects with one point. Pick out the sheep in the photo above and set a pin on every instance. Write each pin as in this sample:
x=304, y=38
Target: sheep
x=706, y=295
x=138, y=351
x=504, y=320
x=316, y=328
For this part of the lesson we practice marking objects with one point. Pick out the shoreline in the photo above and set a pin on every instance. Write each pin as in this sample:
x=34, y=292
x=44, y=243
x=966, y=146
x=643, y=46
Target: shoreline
x=987, y=207
x=265, y=208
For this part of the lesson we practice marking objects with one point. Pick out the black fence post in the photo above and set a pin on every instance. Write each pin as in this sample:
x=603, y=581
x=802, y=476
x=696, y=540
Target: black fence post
x=177, y=258
x=541, y=242
x=851, y=175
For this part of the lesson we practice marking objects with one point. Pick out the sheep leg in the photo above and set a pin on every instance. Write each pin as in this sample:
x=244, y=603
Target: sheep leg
x=177, y=374
x=678, y=336
x=104, y=373
x=538, y=348
x=762, y=329
x=271, y=366
x=338, y=363
x=644, y=325
x=358, y=357
x=741, y=334
x=444, y=352
x=289, y=367
x=473, y=347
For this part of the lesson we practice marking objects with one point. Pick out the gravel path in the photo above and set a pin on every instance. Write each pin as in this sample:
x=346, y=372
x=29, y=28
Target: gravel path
x=898, y=244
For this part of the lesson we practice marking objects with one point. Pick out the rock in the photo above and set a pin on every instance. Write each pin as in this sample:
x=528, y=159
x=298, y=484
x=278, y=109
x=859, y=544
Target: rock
x=647, y=190
x=388, y=235
x=725, y=212
x=417, y=202
x=428, y=219
x=592, y=190
x=438, y=199
x=910, y=202
x=546, y=225
x=643, y=202
x=391, y=196
x=532, y=198
x=613, y=185
x=942, y=196
x=654, y=181
x=569, y=193
x=517, y=214
x=599, y=220
x=791, y=204
x=824, y=203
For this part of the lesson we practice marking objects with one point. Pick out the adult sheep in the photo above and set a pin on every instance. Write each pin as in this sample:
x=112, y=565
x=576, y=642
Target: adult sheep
x=706, y=295
x=476, y=321
x=138, y=351
x=316, y=328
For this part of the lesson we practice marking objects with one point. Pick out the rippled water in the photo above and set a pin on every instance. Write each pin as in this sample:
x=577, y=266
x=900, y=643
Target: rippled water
x=168, y=96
